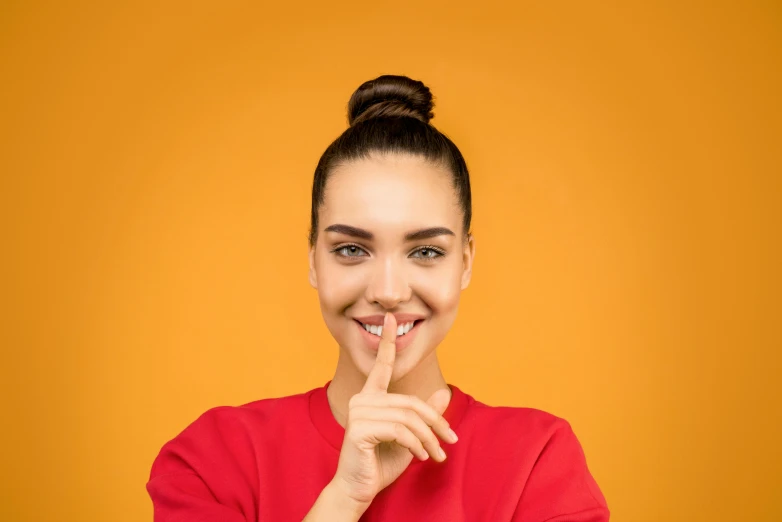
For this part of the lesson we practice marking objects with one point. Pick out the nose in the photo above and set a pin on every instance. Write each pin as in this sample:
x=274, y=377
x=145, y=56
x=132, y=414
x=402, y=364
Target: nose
x=388, y=285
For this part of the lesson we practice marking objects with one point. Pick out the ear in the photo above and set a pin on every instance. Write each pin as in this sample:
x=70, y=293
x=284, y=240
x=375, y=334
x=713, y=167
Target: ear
x=313, y=275
x=468, y=256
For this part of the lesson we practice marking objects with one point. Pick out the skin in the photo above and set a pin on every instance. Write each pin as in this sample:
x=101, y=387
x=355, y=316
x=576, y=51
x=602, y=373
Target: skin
x=389, y=195
x=384, y=431
x=390, y=404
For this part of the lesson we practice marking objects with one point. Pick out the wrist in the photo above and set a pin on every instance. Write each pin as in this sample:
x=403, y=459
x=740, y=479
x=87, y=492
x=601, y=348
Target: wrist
x=338, y=498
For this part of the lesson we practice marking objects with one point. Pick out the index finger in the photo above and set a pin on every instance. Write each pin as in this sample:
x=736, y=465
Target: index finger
x=380, y=375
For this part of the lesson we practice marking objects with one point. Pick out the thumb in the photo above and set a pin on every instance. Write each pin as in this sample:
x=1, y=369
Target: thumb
x=440, y=399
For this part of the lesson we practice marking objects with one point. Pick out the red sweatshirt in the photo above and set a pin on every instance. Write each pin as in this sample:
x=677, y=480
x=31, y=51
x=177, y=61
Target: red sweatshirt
x=268, y=461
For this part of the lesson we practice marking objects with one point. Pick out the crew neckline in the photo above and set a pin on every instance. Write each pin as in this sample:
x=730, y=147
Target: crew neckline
x=334, y=433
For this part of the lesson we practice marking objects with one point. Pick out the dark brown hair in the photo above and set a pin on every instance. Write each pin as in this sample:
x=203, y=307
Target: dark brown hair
x=391, y=114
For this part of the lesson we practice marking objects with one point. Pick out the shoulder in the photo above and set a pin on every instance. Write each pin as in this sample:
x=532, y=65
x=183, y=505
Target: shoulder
x=543, y=449
x=249, y=416
x=523, y=434
x=529, y=424
x=229, y=431
x=252, y=413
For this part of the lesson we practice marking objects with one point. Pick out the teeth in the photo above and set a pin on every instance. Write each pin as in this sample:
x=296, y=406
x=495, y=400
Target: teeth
x=402, y=329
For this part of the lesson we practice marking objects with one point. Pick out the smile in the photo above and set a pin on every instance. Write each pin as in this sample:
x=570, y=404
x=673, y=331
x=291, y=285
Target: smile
x=371, y=333
x=401, y=330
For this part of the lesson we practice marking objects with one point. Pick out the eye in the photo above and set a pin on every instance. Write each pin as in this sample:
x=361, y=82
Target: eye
x=429, y=253
x=348, y=251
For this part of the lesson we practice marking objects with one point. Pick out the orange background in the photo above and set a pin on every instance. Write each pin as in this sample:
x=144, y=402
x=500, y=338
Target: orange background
x=156, y=167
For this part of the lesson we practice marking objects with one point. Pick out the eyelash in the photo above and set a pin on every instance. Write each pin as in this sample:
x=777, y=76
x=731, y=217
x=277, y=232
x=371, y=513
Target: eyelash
x=425, y=247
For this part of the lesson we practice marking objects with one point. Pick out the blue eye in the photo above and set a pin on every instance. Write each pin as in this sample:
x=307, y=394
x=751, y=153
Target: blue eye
x=430, y=253
x=349, y=248
x=435, y=253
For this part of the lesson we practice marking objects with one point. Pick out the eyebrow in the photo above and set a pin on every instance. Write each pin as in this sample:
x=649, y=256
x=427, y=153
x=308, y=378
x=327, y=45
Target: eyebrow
x=424, y=233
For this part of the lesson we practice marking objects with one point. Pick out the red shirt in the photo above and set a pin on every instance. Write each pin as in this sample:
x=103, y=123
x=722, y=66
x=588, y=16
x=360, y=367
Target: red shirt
x=268, y=461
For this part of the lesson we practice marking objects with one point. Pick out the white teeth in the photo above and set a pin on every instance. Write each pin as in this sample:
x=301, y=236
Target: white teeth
x=402, y=329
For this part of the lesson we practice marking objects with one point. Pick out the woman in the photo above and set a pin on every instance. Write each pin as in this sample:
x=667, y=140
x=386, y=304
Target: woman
x=390, y=253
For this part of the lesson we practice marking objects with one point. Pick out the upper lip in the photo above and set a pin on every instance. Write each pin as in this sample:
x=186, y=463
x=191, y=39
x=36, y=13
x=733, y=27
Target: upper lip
x=377, y=320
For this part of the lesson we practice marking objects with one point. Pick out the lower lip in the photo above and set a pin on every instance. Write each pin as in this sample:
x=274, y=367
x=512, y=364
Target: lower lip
x=401, y=342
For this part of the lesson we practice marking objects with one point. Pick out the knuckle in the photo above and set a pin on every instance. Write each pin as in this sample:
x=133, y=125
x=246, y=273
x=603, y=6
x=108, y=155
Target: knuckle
x=431, y=440
x=440, y=423
x=356, y=424
x=356, y=413
x=362, y=430
x=420, y=406
x=354, y=430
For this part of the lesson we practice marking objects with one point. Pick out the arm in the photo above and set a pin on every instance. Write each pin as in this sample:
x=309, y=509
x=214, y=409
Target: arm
x=560, y=487
x=180, y=497
x=333, y=505
x=207, y=473
x=184, y=497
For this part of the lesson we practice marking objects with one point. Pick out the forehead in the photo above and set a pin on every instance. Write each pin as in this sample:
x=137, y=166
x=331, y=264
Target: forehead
x=391, y=190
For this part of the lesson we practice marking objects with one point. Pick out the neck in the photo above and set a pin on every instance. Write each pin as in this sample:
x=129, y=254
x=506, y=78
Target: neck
x=422, y=381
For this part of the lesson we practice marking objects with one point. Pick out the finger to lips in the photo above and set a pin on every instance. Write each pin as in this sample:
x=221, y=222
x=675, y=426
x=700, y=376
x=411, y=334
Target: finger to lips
x=380, y=375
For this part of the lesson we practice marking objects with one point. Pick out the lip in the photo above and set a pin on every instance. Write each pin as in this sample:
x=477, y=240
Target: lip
x=377, y=320
x=373, y=341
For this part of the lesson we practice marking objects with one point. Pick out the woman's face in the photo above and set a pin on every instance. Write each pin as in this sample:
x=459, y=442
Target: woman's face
x=366, y=261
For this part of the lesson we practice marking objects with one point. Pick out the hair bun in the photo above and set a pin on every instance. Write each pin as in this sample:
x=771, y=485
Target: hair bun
x=391, y=96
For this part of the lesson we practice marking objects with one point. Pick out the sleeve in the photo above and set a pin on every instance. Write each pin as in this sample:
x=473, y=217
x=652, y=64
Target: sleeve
x=560, y=487
x=184, y=497
x=205, y=473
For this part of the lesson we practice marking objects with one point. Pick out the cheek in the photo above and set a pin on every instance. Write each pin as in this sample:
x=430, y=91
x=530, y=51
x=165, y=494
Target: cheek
x=335, y=294
x=440, y=289
x=337, y=287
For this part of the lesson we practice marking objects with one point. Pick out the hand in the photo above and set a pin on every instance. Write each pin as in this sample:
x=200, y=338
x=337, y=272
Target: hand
x=385, y=430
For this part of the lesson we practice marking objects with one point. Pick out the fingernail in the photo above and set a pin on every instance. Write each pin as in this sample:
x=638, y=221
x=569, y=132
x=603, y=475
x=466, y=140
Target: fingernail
x=385, y=321
x=442, y=454
x=454, y=438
